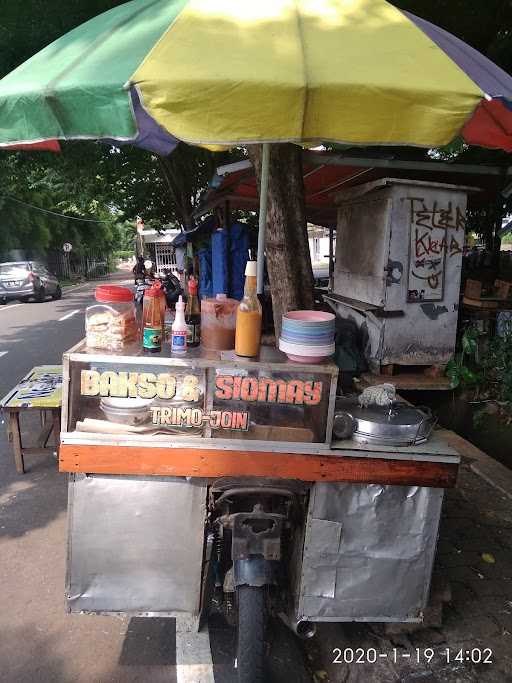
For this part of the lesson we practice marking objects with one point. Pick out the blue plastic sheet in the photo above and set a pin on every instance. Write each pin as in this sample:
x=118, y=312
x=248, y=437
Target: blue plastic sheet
x=205, y=272
x=239, y=251
x=220, y=272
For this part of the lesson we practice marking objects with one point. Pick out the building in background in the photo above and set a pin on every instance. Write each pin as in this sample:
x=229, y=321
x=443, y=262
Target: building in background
x=318, y=238
x=157, y=247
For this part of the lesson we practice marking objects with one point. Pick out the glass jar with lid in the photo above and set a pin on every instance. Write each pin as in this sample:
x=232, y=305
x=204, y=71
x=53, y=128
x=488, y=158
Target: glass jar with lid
x=111, y=323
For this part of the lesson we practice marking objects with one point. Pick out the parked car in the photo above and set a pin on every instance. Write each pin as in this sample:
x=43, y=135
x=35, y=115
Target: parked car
x=25, y=280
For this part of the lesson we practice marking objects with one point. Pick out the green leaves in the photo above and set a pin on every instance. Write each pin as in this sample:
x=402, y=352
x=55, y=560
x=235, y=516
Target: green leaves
x=96, y=181
x=463, y=368
x=38, y=180
x=497, y=365
x=488, y=370
x=461, y=375
x=469, y=341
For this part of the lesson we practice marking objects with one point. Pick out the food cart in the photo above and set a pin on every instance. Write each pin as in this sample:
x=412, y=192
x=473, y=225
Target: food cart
x=230, y=474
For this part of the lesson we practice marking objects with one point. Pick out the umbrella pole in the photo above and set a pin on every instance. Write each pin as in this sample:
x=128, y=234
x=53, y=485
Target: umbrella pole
x=262, y=226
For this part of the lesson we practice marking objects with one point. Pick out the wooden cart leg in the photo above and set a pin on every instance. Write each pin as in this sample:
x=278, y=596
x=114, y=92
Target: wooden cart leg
x=56, y=429
x=15, y=437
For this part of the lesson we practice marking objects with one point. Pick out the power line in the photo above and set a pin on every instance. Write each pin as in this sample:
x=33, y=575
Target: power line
x=51, y=213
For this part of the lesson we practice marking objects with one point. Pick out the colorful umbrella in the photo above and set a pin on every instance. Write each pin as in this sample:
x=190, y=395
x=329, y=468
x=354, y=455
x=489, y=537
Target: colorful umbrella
x=230, y=72
x=236, y=72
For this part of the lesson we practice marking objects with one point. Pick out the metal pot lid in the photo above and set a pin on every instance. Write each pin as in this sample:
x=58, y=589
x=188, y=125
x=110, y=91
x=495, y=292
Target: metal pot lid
x=399, y=414
x=397, y=425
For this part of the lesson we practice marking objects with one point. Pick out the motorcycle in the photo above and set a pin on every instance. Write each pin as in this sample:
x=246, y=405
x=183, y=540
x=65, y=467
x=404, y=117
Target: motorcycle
x=170, y=284
x=172, y=288
x=141, y=284
x=254, y=526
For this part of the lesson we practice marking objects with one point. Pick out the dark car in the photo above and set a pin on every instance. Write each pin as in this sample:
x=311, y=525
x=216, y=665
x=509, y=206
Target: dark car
x=25, y=280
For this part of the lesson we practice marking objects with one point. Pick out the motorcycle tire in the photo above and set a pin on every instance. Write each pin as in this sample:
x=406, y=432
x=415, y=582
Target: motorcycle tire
x=252, y=622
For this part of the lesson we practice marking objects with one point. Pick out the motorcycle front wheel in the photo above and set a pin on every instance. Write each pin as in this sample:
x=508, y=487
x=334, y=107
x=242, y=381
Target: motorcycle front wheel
x=252, y=623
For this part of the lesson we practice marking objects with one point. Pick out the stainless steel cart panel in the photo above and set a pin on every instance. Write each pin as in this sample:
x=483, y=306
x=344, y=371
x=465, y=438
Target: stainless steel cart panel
x=135, y=544
x=368, y=552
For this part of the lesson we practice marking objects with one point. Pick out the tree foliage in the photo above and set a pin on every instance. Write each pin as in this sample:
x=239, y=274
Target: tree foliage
x=96, y=181
x=25, y=28
x=31, y=187
x=486, y=26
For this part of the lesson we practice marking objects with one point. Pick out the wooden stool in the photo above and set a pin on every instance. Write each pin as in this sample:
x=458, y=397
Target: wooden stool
x=40, y=390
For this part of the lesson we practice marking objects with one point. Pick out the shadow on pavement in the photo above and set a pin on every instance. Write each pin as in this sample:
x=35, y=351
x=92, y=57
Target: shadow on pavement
x=149, y=641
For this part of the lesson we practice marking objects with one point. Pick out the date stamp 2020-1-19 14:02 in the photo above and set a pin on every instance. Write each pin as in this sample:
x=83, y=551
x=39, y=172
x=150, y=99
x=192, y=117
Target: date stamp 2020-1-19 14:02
x=418, y=656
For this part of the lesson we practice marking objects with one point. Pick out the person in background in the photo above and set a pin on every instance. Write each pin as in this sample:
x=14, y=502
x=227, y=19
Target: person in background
x=150, y=269
x=139, y=269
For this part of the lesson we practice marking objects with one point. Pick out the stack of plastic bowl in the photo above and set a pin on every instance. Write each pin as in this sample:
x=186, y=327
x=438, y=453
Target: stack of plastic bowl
x=308, y=336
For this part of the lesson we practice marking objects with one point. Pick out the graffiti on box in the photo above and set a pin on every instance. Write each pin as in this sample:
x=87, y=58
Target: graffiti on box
x=436, y=234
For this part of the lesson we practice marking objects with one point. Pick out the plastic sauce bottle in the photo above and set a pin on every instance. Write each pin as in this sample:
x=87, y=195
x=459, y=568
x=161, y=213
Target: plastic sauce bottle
x=193, y=315
x=179, y=331
x=153, y=316
x=248, y=316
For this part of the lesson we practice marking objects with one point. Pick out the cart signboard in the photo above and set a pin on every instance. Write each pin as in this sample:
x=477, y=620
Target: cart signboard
x=208, y=398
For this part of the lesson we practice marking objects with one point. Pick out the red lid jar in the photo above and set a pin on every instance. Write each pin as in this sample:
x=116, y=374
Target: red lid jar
x=111, y=323
x=112, y=294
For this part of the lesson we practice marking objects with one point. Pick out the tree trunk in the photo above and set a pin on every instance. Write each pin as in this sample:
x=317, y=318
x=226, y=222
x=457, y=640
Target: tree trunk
x=287, y=247
x=178, y=193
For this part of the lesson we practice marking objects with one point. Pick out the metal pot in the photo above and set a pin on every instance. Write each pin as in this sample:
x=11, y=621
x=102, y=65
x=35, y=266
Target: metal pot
x=398, y=425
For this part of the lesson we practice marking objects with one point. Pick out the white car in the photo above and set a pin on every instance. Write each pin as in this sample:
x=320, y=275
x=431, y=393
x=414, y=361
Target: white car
x=25, y=280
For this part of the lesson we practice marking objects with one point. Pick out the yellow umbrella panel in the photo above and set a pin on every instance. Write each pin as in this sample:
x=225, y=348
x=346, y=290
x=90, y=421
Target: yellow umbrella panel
x=357, y=71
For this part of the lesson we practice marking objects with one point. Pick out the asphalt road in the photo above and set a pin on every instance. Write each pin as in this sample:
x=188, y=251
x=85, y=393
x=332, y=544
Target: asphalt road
x=39, y=641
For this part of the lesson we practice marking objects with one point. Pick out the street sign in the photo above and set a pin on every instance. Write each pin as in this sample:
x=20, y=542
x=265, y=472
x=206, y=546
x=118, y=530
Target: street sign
x=67, y=246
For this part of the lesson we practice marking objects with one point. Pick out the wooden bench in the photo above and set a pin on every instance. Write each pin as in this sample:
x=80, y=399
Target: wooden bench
x=40, y=390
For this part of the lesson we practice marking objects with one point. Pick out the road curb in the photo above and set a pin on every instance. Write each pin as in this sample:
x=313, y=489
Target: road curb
x=119, y=276
x=489, y=469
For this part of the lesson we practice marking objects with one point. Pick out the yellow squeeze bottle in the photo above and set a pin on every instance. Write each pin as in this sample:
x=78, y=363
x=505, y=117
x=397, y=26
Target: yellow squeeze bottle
x=248, y=316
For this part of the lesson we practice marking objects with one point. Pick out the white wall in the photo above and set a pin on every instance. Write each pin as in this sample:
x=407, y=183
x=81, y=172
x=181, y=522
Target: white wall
x=319, y=249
